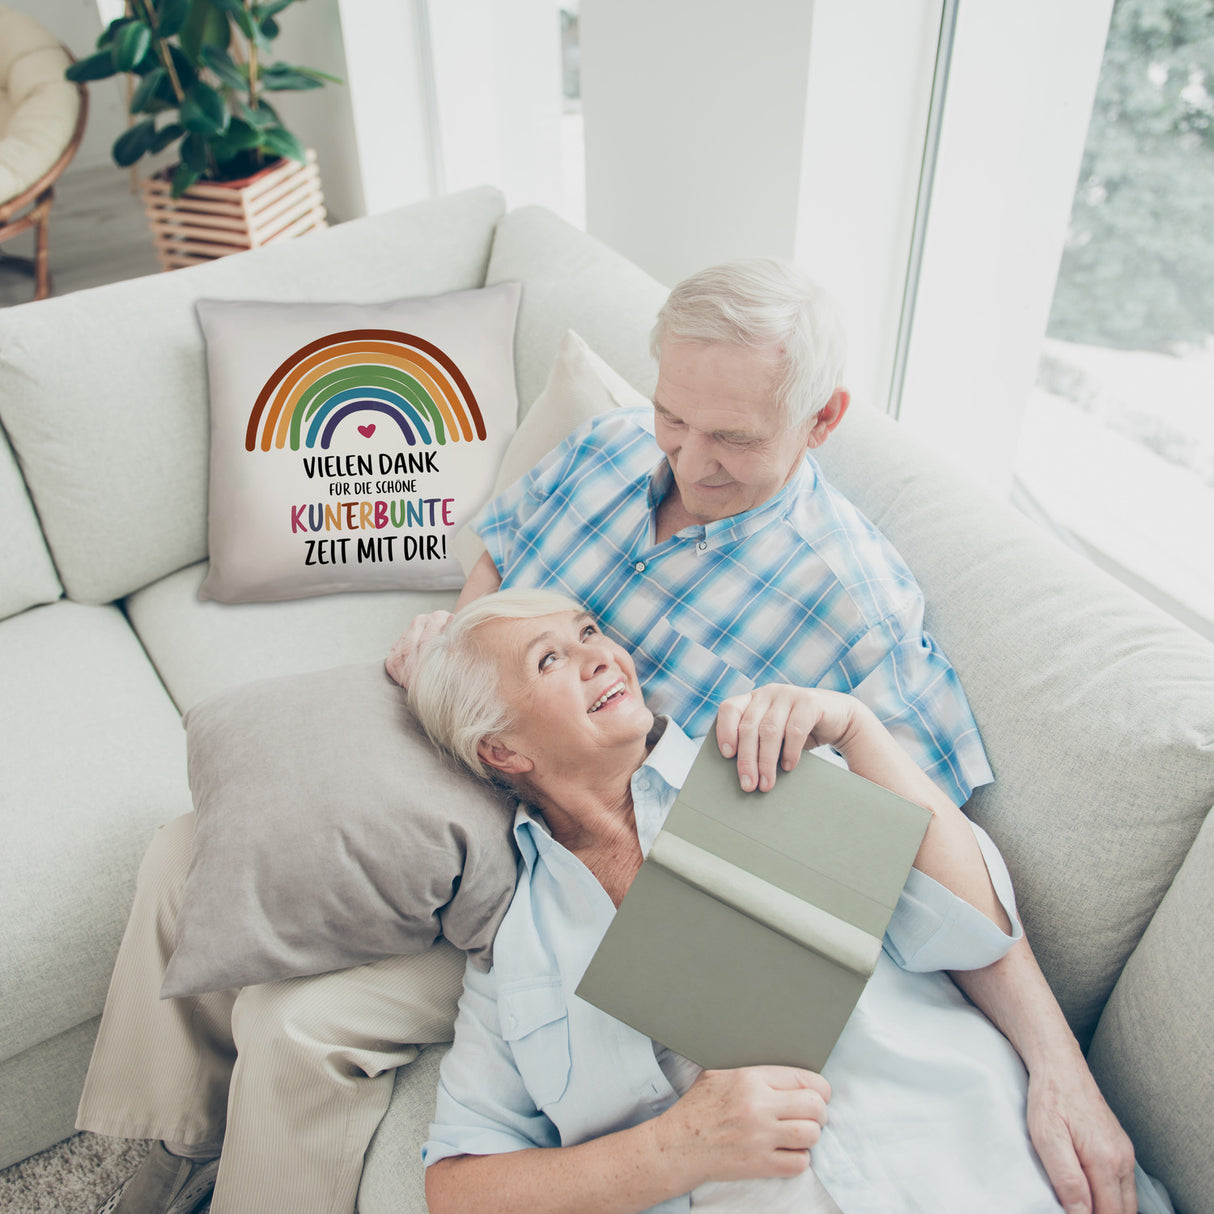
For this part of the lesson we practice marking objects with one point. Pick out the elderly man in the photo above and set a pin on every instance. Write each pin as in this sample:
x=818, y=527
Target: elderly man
x=704, y=538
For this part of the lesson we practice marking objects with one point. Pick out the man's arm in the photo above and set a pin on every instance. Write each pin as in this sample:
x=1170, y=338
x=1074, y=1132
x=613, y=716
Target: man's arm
x=484, y=579
x=1087, y=1155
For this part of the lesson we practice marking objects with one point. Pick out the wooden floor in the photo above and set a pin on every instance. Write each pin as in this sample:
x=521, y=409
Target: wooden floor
x=98, y=234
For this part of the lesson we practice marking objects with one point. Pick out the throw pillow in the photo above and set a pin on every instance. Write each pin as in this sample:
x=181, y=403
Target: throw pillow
x=580, y=386
x=329, y=833
x=350, y=442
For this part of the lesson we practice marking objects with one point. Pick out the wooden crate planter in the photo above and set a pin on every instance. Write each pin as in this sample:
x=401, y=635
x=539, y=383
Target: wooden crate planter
x=215, y=218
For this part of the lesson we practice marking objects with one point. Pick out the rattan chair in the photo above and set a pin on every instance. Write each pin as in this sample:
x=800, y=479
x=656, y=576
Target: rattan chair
x=42, y=117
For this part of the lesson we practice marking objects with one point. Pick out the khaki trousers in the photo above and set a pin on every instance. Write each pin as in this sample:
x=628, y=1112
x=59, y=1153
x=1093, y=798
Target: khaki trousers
x=293, y=1076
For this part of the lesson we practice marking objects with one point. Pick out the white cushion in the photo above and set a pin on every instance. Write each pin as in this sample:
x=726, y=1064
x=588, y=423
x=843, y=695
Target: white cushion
x=39, y=107
x=349, y=441
x=111, y=426
x=572, y=281
x=93, y=760
x=200, y=648
x=29, y=575
x=1153, y=1054
x=580, y=386
x=1096, y=709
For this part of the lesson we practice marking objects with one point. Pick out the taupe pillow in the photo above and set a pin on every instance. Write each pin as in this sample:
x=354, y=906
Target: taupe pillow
x=330, y=833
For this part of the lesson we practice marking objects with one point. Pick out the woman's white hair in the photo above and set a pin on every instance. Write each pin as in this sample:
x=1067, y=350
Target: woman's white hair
x=454, y=691
x=763, y=303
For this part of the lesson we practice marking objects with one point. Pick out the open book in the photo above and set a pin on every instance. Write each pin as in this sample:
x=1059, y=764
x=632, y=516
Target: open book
x=755, y=921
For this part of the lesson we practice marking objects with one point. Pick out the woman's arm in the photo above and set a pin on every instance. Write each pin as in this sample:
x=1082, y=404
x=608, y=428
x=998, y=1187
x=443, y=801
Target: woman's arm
x=730, y=1125
x=769, y=728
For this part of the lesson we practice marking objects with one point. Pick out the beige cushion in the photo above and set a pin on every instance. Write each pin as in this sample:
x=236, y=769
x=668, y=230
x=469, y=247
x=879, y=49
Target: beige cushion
x=1153, y=1054
x=329, y=832
x=1096, y=709
x=348, y=441
x=38, y=107
x=580, y=386
x=111, y=426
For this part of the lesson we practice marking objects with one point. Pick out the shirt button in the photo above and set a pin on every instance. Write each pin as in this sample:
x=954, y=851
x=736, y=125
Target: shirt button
x=702, y=545
x=639, y=566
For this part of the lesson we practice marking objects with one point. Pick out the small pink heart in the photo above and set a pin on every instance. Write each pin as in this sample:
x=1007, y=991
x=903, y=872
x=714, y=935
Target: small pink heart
x=367, y=430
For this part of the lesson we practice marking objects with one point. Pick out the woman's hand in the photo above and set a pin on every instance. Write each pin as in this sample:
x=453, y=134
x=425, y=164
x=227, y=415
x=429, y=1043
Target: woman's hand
x=401, y=661
x=770, y=727
x=750, y=1122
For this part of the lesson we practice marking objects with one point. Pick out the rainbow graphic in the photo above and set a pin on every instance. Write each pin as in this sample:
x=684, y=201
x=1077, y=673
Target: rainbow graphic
x=365, y=370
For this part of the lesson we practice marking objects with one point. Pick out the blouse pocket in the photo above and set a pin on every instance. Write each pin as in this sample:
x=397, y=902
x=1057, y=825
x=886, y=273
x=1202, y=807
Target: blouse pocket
x=535, y=1023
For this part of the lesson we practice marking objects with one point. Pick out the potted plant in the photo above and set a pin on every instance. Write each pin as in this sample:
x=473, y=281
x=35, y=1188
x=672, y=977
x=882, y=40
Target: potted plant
x=201, y=71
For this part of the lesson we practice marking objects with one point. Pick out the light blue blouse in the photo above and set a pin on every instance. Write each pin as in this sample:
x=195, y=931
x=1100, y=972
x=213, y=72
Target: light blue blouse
x=928, y=1104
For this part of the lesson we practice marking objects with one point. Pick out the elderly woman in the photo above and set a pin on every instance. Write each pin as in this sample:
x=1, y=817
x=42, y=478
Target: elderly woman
x=547, y=1103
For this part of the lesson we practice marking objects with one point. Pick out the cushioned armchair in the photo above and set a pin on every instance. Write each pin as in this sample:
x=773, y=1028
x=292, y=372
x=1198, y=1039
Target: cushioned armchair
x=42, y=118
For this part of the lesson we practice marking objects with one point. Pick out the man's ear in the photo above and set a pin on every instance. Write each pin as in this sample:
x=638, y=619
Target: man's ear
x=829, y=416
x=495, y=754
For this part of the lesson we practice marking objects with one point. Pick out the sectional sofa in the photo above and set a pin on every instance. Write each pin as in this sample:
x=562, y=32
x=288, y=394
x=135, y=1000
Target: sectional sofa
x=1097, y=711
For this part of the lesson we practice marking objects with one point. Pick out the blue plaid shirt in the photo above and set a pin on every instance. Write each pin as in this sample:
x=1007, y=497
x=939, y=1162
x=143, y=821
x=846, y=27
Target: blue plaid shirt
x=802, y=589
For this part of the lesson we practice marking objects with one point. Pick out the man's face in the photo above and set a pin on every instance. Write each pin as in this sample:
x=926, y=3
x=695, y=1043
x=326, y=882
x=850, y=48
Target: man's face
x=716, y=419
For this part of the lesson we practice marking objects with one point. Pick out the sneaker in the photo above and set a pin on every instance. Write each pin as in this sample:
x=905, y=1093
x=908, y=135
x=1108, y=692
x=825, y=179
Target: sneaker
x=164, y=1184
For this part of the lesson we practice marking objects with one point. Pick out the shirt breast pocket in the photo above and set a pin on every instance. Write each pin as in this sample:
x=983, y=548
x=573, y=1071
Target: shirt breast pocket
x=535, y=1024
x=686, y=679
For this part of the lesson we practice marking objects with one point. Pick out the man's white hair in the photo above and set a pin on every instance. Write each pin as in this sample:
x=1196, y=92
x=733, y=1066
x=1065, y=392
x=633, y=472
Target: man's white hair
x=761, y=303
x=454, y=691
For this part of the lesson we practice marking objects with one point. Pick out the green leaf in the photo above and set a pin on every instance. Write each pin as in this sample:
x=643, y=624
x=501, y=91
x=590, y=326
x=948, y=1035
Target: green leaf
x=130, y=45
x=281, y=142
x=166, y=135
x=268, y=29
x=171, y=16
x=187, y=73
x=132, y=144
x=95, y=67
x=194, y=153
x=144, y=98
x=203, y=111
x=279, y=77
x=183, y=178
x=205, y=26
x=108, y=34
x=261, y=118
x=241, y=137
x=225, y=67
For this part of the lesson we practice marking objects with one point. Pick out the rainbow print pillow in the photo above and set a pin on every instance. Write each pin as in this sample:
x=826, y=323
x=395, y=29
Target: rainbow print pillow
x=350, y=442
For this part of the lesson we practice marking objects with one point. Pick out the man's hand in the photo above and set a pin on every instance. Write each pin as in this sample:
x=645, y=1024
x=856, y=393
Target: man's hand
x=770, y=727
x=403, y=657
x=1087, y=1155
x=749, y=1122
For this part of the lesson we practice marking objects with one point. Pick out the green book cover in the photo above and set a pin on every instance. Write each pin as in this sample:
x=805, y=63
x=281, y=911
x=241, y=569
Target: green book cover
x=755, y=921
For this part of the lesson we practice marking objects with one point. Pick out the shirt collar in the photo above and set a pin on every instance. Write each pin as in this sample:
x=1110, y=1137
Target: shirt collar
x=737, y=526
x=655, y=784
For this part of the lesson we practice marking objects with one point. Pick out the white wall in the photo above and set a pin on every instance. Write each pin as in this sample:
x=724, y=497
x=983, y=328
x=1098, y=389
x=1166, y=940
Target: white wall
x=694, y=125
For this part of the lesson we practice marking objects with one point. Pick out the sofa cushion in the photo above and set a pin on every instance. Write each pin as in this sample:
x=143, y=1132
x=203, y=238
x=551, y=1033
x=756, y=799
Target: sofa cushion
x=93, y=760
x=572, y=281
x=349, y=441
x=580, y=386
x=119, y=472
x=27, y=574
x=1096, y=709
x=201, y=648
x=1152, y=1054
x=328, y=833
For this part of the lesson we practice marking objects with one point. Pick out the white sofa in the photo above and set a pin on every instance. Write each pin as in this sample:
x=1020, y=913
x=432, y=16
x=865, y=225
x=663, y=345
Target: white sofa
x=1097, y=711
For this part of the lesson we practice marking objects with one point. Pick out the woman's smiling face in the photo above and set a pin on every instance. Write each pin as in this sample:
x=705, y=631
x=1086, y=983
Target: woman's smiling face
x=572, y=691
